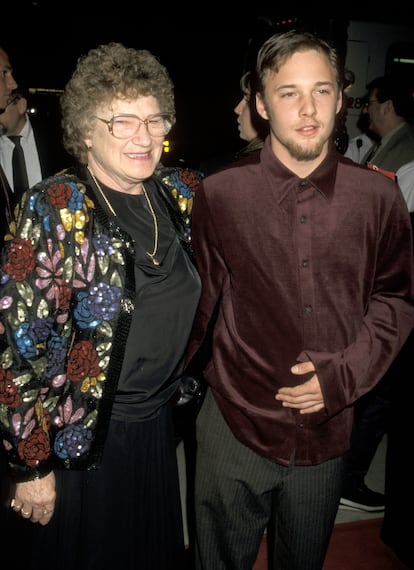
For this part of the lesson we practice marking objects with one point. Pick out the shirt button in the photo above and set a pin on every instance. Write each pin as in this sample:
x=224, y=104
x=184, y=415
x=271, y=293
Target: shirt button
x=305, y=263
x=308, y=309
x=302, y=219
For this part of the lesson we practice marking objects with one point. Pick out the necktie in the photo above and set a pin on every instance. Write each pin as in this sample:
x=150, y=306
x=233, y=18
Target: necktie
x=20, y=181
x=371, y=153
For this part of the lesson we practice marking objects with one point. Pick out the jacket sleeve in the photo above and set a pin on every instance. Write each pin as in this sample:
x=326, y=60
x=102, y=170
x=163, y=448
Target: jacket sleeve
x=34, y=328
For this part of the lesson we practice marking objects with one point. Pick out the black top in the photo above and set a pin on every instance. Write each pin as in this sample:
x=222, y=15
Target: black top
x=162, y=321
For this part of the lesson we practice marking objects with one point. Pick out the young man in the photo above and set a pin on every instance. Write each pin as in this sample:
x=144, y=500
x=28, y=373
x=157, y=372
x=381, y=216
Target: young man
x=306, y=258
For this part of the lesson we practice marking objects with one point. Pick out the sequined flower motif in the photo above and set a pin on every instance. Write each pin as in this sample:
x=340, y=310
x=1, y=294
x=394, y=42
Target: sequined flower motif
x=73, y=441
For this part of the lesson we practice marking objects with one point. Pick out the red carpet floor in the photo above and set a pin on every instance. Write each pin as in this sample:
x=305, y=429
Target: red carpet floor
x=354, y=546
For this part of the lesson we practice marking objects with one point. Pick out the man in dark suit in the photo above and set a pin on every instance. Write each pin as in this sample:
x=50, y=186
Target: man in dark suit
x=390, y=108
x=40, y=138
x=7, y=84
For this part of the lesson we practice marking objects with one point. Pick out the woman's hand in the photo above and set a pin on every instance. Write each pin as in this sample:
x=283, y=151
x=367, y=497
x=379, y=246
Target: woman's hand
x=35, y=500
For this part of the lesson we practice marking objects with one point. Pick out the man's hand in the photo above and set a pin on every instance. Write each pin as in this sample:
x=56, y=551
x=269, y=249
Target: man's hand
x=35, y=500
x=306, y=397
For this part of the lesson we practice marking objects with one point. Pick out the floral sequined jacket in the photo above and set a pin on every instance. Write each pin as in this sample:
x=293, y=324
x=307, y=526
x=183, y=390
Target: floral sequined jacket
x=66, y=299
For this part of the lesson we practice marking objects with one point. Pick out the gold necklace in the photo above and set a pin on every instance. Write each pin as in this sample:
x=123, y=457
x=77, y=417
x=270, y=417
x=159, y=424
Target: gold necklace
x=152, y=254
x=154, y=219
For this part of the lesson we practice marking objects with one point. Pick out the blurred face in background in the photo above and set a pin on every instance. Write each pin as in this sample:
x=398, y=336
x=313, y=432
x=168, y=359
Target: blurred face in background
x=377, y=113
x=7, y=82
x=247, y=131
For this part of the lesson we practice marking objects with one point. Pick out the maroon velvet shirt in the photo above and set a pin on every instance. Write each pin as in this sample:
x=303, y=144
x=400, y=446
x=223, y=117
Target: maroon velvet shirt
x=314, y=269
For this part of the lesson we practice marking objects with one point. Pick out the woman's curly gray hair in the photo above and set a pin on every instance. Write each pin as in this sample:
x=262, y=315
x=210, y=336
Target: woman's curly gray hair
x=108, y=72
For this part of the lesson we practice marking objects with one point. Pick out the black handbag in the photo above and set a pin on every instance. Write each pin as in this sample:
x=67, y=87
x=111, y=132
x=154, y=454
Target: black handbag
x=190, y=391
x=192, y=386
x=189, y=398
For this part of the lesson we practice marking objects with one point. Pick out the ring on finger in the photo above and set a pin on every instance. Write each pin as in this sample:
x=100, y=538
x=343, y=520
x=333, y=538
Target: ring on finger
x=15, y=507
x=24, y=514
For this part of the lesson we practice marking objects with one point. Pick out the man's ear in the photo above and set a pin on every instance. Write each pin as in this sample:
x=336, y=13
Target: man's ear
x=340, y=102
x=22, y=105
x=261, y=108
x=389, y=107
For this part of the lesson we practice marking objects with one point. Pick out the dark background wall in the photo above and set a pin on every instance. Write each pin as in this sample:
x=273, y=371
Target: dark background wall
x=205, y=53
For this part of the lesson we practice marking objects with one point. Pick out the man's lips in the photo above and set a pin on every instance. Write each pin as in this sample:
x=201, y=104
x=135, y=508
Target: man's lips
x=308, y=130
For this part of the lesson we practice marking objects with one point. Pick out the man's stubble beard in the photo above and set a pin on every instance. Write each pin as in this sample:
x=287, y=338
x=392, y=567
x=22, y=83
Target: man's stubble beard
x=304, y=154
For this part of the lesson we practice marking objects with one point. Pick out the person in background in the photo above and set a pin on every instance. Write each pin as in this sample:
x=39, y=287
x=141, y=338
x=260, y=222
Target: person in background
x=405, y=179
x=252, y=128
x=41, y=142
x=98, y=293
x=398, y=498
x=359, y=145
x=7, y=85
x=389, y=109
x=307, y=259
x=7, y=81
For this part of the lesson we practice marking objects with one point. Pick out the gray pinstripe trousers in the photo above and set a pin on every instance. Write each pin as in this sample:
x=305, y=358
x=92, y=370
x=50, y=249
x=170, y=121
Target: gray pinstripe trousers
x=240, y=495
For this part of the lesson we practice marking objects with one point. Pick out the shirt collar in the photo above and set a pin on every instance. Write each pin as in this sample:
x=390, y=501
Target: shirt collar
x=26, y=131
x=322, y=178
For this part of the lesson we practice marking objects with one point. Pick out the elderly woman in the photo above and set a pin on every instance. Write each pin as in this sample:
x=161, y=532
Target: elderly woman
x=98, y=293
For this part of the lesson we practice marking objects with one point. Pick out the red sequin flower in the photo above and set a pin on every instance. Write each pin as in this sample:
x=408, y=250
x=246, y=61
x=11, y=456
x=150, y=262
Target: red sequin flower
x=20, y=259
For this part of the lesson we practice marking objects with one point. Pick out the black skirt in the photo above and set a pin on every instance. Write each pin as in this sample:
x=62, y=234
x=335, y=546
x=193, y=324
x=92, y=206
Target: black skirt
x=127, y=514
